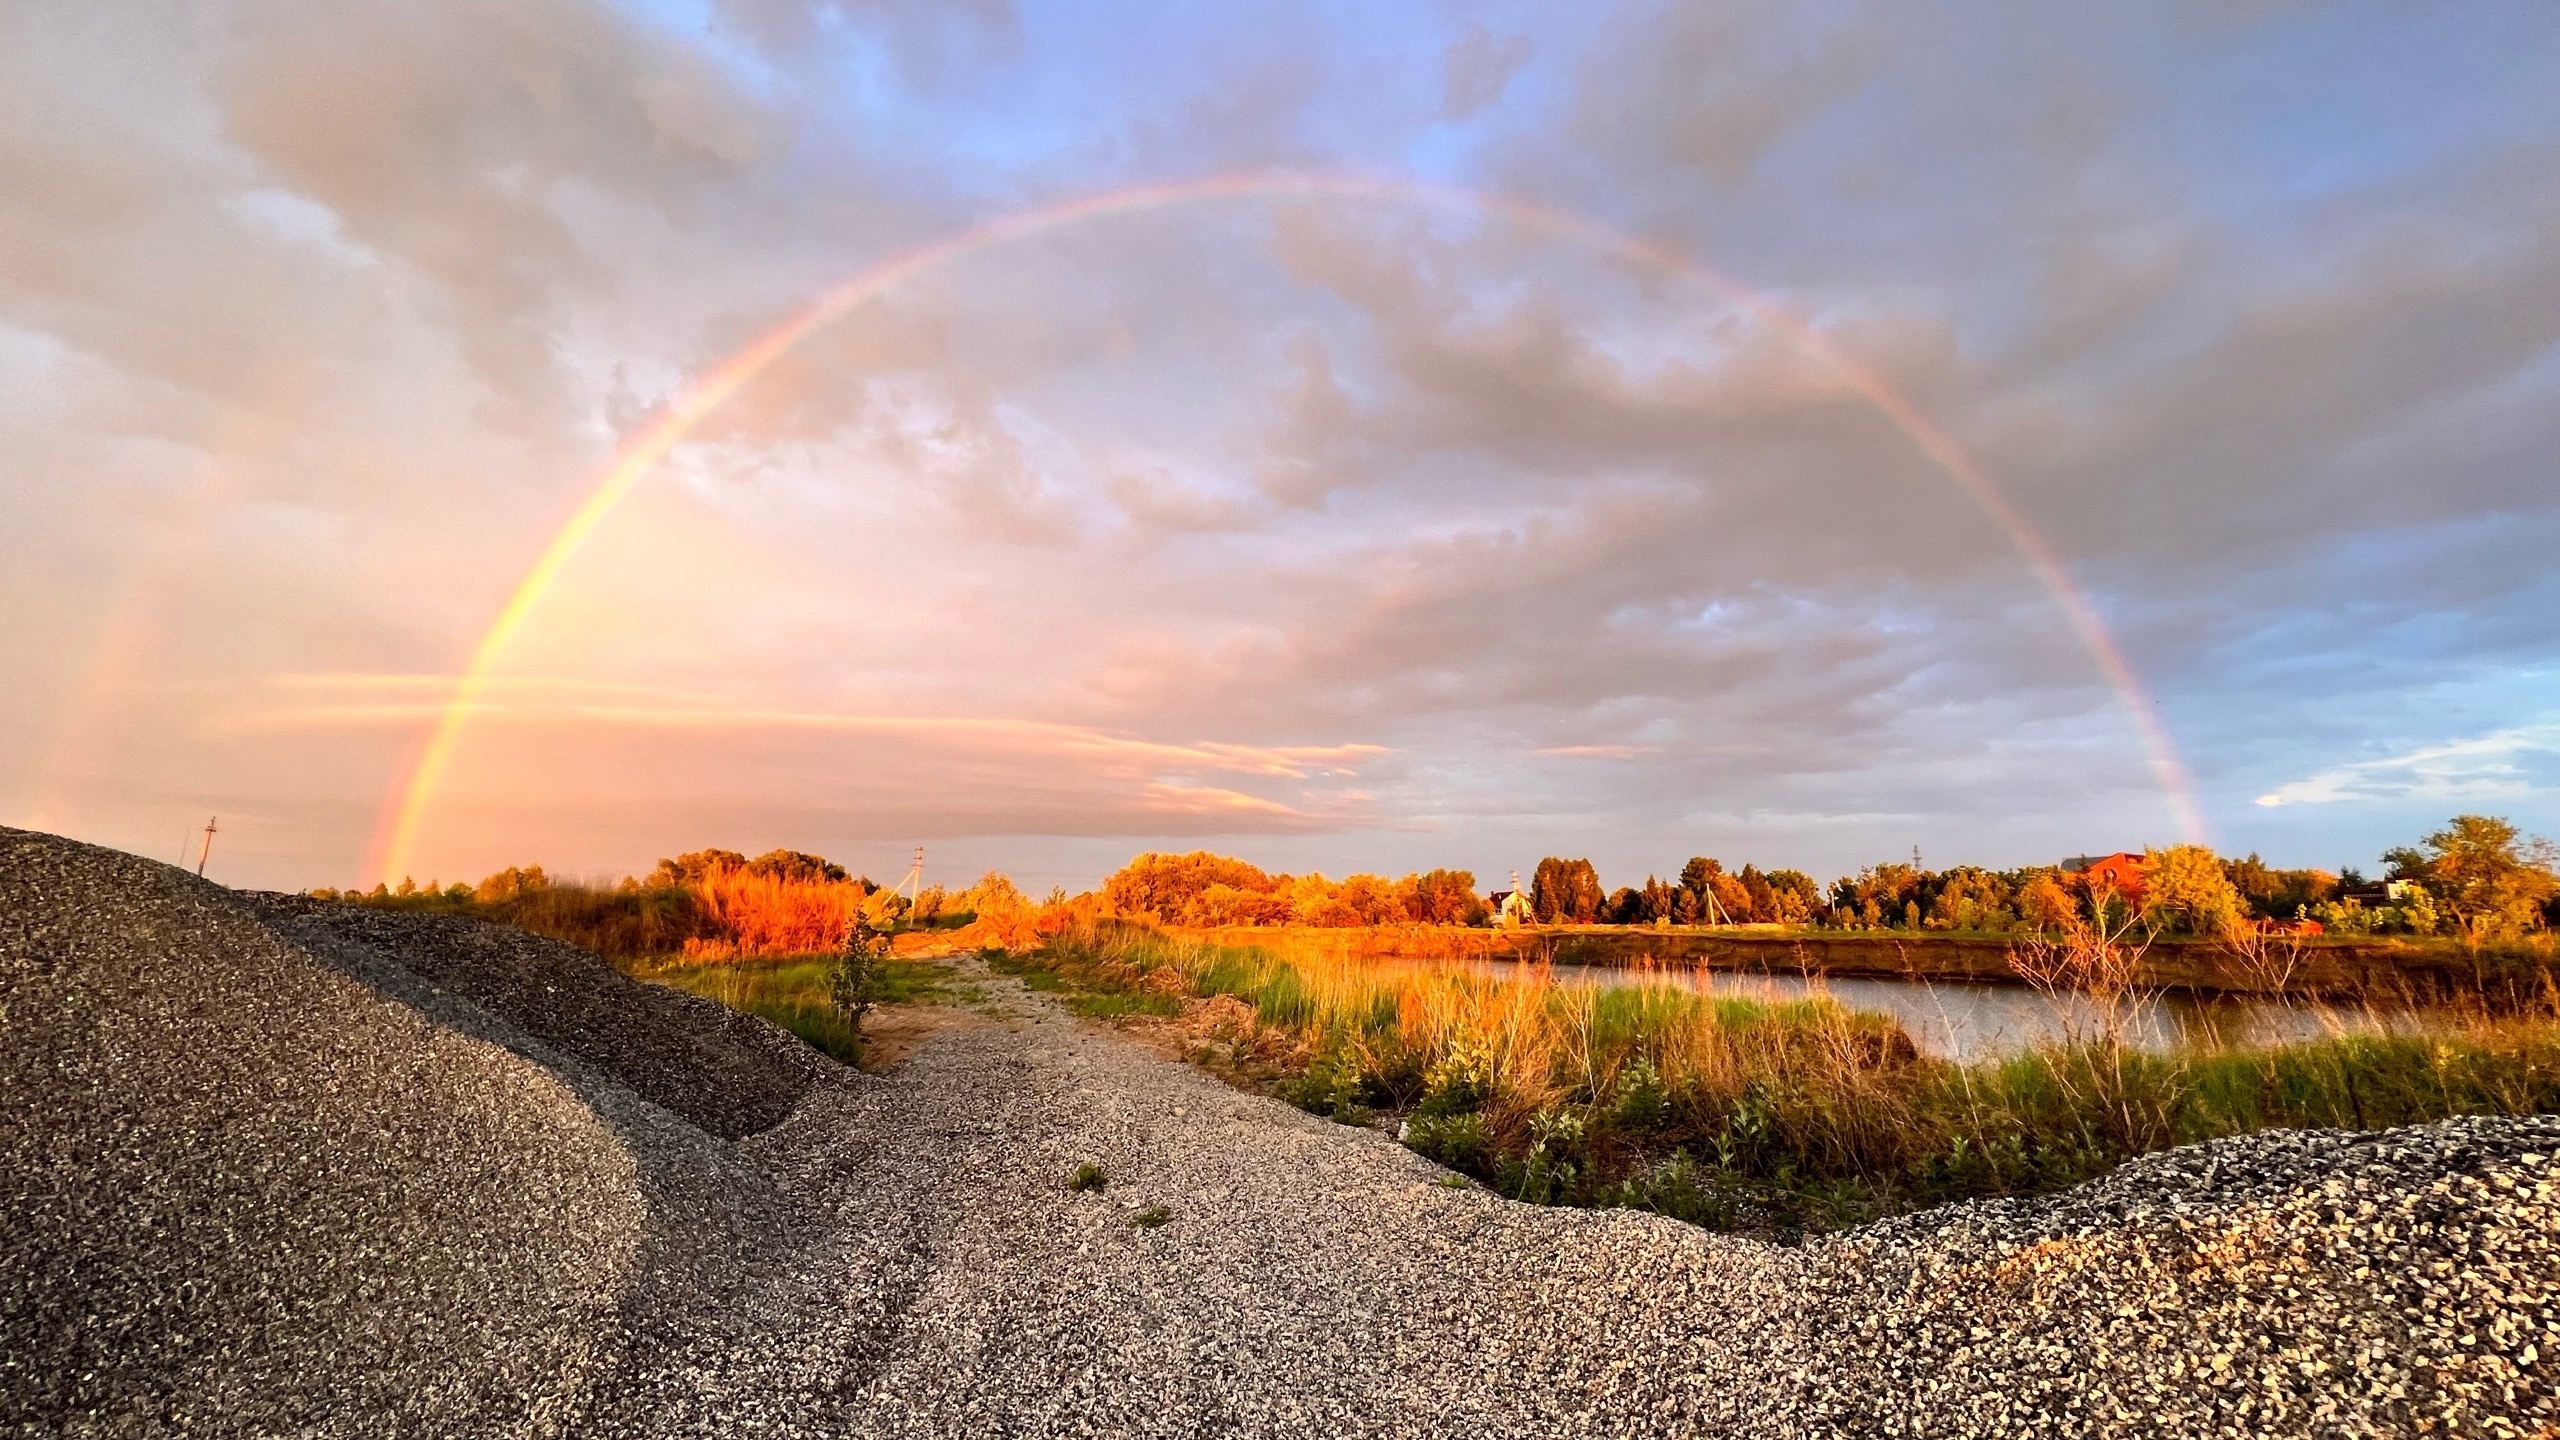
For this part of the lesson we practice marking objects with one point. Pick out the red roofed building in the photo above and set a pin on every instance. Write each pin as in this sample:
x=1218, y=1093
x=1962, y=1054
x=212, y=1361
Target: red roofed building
x=2122, y=873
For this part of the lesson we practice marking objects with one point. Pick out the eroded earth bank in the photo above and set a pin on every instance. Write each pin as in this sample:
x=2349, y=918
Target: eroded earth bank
x=275, y=1167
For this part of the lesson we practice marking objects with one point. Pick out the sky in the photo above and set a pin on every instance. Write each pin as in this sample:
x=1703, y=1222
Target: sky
x=1352, y=437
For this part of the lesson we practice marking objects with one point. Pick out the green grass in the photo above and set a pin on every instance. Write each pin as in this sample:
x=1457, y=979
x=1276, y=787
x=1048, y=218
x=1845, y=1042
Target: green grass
x=1151, y=1217
x=791, y=991
x=1775, y=1117
x=1106, y=1006
x=1087, y=1179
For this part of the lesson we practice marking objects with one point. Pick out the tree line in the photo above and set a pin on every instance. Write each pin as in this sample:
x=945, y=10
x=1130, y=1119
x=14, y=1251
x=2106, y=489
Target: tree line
x=2478, y=878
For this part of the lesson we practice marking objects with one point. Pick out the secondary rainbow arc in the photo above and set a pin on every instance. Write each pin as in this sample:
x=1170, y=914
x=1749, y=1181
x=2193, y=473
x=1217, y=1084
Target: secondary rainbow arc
x=404, y=815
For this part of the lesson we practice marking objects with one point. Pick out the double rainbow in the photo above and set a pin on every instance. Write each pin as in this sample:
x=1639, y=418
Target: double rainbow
x=405, y=811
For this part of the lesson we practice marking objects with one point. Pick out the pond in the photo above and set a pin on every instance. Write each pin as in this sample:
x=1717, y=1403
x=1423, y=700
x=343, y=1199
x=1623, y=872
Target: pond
x=1961, y=1021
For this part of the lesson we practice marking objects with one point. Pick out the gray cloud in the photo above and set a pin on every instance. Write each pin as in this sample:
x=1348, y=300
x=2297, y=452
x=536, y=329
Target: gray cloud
x=1478, y=67
x=314, y=324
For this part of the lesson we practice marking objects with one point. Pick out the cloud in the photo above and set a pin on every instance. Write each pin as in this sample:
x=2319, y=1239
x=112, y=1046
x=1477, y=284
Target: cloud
x=314, y=323
x=1599, y=752
x=1478, y=67
x=1708, y=89
x=2501, y=765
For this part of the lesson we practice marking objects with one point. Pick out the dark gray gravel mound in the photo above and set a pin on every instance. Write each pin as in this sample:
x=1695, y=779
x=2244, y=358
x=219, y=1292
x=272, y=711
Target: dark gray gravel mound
x=247, y=1193
x=729, y=1073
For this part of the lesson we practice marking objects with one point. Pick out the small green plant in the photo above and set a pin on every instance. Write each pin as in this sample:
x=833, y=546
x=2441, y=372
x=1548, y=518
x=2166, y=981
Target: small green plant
x=1336, y=1087
x=1087, y=1179
x=1113, y=1007
x=1151, y=1217
x=1452, y=1181
x=1457, y=1141
x=853, y=982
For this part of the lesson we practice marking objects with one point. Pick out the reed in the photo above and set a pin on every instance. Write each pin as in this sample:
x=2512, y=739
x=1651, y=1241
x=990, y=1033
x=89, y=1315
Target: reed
x=751, y=914
x=1776, y=1117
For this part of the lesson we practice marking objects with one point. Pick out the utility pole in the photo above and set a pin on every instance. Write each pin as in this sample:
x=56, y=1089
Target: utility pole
x=206, y=853
x=914, y=883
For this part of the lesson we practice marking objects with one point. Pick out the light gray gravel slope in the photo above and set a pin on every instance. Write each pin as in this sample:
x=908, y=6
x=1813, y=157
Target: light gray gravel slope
x=1316, y=1280
x=524, y=1242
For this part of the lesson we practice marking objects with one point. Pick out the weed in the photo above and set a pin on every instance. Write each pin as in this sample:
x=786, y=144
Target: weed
x=1087, y=1179
x=1777, y=1117
x=796, y=993
x=1113, y=1007
x=1151, y=1217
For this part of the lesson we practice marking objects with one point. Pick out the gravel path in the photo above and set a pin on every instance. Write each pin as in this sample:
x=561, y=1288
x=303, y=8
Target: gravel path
x=899, y=1254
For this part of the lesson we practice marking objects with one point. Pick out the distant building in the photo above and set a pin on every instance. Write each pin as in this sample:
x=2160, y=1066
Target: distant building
x=1511, y=907
x=2123, y=872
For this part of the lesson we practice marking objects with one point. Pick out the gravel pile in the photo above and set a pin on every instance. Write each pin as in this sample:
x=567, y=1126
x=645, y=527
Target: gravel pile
x=730, y=1074
x=900, y=1255
x=262, y=1179
x=245, y=1191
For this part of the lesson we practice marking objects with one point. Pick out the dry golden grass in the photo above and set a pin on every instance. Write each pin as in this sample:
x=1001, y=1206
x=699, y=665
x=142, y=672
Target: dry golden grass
x=1731, y=1110
x=751, y=914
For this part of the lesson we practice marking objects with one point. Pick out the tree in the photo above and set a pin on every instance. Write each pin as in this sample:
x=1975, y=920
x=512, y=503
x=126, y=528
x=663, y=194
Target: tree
x=1370, y=899
x=2481, y=869
x=1697, y=880
x=2186, y=889
x=1880, y=895
x=1971, y=899
x=995, y=894
x=1443, y=897
x=510, y=883
x=2044, y=905
x=797, y=867
x=1227, y=905
x=693, y=867
x=1566, y=892
x=1162, y=887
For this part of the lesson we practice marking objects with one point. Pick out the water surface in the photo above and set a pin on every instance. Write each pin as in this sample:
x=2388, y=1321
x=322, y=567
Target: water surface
x=1958, y=1020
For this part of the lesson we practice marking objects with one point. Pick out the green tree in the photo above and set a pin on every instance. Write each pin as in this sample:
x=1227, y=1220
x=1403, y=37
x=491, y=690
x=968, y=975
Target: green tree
x=693, y=867
x=1971, y=899
x=1566, y=892
x=796, y=867
x=1162, y=887
x=2483, y=871
x=2045, y=905
x=1443, y=897
x=511, y=883
x=2187, y=889
x=994, y=894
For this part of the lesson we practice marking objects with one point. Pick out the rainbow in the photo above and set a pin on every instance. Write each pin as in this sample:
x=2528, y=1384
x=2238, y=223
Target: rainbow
x=405, y=811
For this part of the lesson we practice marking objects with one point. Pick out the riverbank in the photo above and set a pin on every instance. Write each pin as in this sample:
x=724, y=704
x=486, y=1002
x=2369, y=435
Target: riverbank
x=1766, y=1116
x=2360, y=968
